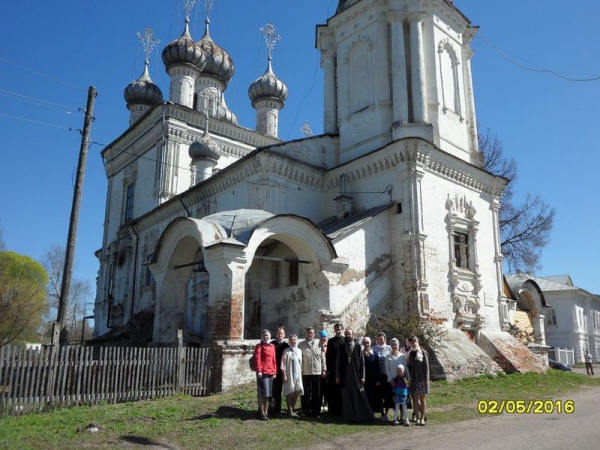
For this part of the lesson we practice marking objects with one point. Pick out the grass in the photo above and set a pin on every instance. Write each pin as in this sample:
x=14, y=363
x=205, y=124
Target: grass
x=227, y=420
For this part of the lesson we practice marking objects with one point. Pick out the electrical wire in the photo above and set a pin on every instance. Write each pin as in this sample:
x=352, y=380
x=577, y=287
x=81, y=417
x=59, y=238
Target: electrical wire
x=41, y=103
x=39, y=122
x=305, y=97
x=535, y=69
x=5, y=92
x=58, y=80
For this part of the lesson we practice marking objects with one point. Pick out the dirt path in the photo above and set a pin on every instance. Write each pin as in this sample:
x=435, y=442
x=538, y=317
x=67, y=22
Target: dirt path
x=579, y=430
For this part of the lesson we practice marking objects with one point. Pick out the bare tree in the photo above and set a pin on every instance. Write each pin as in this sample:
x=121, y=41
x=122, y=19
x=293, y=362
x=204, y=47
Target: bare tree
x=54, y=261
x=525, y=227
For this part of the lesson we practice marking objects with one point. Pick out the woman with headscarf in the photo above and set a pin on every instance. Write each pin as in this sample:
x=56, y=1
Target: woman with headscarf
x=418, y=368
x=266, y=371
x=291, y=368
x=381, y=349
x=372, y=376
x=391, y=362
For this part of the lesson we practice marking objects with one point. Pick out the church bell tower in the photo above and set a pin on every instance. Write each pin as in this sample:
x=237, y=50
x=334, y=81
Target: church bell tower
x=397, y=69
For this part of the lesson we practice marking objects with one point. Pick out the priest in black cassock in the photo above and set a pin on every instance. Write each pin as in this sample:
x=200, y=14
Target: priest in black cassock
x=334, y=396
x=350, y=376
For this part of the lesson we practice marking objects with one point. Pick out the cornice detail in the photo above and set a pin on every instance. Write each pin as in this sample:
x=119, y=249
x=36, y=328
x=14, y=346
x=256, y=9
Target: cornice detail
x=137, y=139
x=266, y=163
x=422, y=155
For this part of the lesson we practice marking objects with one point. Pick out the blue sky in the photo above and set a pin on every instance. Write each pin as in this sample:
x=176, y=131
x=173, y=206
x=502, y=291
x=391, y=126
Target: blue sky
x=53, y=51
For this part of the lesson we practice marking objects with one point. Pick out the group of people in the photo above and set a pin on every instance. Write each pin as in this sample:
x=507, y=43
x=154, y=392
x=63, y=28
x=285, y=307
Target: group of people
x=352, y=379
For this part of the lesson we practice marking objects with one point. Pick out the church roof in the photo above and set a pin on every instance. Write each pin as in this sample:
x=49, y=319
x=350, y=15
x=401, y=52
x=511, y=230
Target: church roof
x=545, y=285
x=333, y=227
x=218, y=61
x=184, y=50
x=562, y=279
x=268, y=86
x=517, y=282
x=143, y=91
x=238, y=222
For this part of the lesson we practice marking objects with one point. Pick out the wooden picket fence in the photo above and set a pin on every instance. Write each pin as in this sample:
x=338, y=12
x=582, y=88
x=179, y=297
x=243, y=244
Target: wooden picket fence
x=59, y=376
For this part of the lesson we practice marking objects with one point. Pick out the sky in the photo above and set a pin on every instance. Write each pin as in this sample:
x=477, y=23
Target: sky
x=52, y=52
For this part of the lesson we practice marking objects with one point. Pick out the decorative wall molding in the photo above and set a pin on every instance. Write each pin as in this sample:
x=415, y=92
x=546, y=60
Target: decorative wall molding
x=265, y=164
x=183, y=123
x=423, y=154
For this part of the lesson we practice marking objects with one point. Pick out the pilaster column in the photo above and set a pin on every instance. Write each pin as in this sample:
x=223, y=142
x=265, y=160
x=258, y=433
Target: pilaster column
x=502, y=306
x=467, y=54
x=541, y=335
x=417, y=62
x=330, y=116
x=227, y=267
x=399, y=75
x=413, y=240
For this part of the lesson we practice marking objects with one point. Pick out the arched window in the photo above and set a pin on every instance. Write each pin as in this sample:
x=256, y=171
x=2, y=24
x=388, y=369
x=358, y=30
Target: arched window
x=448, y=63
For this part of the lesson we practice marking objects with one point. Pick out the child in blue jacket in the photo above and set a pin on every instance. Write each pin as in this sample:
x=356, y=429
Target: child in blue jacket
x=400, y=386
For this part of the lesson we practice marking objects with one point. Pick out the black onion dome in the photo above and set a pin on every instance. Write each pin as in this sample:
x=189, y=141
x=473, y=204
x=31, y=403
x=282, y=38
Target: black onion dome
x=268, y=86
x=218, y=61
x=205, y=148
x=183, y=50
x=143, y=91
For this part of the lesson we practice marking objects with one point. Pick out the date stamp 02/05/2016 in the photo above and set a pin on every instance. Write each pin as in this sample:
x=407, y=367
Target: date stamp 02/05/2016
x=526, y=406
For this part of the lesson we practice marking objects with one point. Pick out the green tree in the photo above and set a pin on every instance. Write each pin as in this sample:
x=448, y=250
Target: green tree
x=402, y=326
x=2, y=243
x=22, y=297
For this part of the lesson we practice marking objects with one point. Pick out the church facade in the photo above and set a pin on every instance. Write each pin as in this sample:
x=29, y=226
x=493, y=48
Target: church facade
x=220, y=230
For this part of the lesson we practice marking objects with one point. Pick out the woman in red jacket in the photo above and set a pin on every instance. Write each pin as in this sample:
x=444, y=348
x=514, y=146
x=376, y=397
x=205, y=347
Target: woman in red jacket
x=266, y=371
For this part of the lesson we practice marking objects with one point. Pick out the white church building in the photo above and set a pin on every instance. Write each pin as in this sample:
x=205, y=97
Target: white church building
x=221, y=230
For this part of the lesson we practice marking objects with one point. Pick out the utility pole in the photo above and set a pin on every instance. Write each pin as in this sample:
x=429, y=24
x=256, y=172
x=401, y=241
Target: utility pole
x=60, y=326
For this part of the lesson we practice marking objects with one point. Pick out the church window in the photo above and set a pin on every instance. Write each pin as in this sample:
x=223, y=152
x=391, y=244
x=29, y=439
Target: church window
x=148, y=278
x=129, y=192
x=275, y=275
x=293, y=271
x=461, y=249
x=551, y=317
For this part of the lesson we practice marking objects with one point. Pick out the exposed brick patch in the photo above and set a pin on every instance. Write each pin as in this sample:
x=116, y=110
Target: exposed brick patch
x=226, y=318
x=510, y=354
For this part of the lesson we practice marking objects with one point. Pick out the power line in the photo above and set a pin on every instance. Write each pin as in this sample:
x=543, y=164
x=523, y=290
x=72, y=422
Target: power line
x=40, y=102
x=38, y=122
x=58, y=80
x=304, y=98
x=535, y=69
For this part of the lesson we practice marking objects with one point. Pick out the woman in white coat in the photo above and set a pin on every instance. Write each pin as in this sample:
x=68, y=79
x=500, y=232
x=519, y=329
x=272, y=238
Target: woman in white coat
x=291, y=367
x=393, y=360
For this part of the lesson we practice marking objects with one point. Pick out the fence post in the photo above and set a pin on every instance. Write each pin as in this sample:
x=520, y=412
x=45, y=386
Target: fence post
x=180, y=363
